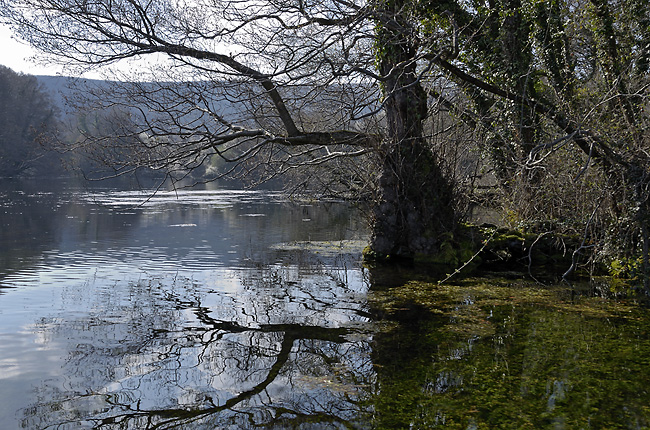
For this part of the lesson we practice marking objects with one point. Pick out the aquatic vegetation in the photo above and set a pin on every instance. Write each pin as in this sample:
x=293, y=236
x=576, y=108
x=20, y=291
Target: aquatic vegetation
x=509, y=354
x=330, y=248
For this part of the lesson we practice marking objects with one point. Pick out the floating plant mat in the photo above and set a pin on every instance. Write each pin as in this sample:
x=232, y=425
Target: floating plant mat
x=512, y=355
x=325, y=248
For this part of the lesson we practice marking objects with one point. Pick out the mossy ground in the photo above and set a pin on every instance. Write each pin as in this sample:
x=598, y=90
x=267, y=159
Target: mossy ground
x=473, y=250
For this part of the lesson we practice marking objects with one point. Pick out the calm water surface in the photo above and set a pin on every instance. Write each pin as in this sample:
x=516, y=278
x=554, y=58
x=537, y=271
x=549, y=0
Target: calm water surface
x=223, y=309
x=190, y=309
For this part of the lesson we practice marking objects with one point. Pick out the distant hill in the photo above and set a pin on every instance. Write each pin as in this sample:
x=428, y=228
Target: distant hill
x=57, y=87
x=61, y=88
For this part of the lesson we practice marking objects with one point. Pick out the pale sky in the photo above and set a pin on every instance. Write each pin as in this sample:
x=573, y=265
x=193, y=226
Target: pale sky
x=18, y=57
x=15, y=55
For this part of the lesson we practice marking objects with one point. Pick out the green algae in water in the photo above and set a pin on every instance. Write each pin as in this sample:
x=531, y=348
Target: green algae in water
x=323, y=247
x=509, y=355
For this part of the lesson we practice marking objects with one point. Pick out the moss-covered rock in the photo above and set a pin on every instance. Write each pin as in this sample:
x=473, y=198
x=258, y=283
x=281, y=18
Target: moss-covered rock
x=487, y=248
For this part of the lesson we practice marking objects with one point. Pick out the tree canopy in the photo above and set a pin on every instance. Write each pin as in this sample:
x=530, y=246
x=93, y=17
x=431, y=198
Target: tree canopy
x=559, y=90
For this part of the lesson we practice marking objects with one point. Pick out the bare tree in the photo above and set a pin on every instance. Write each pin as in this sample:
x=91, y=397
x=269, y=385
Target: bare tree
x=292, y=83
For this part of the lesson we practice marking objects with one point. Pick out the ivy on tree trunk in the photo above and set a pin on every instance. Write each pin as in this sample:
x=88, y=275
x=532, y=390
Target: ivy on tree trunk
x=416, y=200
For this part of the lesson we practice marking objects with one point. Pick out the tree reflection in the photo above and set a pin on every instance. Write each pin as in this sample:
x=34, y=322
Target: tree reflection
x=281, y=349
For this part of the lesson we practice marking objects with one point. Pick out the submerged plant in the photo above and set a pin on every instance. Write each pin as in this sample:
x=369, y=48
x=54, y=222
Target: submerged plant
x=511, y=355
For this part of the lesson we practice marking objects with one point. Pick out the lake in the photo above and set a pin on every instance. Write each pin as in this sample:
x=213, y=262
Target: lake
x=215, y=308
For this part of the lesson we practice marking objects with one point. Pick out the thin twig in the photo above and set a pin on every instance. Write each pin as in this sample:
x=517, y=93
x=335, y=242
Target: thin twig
x=530, y=255
x=458, y=270
x=582, y=245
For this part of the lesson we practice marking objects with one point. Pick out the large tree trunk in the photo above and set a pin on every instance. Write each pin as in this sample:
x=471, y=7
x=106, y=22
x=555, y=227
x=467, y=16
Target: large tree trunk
x=415, y=205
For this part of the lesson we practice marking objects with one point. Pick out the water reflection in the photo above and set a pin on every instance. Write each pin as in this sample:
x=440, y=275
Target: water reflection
x=509, y=354
x=171, y=230
x=167, y=356
x=228, y=310
x=194, y=310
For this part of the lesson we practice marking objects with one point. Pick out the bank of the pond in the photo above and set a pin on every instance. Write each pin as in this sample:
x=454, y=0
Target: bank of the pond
x=479, y=250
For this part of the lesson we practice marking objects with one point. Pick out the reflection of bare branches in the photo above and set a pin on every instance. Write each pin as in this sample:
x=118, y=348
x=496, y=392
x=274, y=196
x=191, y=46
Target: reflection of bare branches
x=165, y=358
x=292, y=333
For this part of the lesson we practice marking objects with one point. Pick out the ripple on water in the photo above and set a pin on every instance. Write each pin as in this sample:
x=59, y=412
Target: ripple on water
x=169, y=312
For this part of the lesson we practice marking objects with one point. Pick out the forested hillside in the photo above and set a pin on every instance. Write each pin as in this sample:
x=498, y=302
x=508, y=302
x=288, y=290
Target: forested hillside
x=29, y=122
x=44, y=123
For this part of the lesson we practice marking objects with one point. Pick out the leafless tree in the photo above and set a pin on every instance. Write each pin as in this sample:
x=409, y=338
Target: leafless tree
x=269, y=86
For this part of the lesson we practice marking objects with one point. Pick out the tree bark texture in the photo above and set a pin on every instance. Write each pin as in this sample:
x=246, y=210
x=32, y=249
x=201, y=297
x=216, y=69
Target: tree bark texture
x=416, y=200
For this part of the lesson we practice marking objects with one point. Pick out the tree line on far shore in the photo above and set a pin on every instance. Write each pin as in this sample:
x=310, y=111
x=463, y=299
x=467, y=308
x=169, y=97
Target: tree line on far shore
x=29, y=122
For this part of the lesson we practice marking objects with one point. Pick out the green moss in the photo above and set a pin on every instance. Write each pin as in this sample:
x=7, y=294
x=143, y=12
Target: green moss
x=472, y=249
x=372, y=256
x=447, y=255
x=627, y=273
x=500, y=354
x=467, y=250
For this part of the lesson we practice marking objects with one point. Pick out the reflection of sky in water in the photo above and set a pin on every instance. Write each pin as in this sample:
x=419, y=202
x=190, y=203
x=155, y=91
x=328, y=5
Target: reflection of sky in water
x=177, y=308
x=211, y=198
